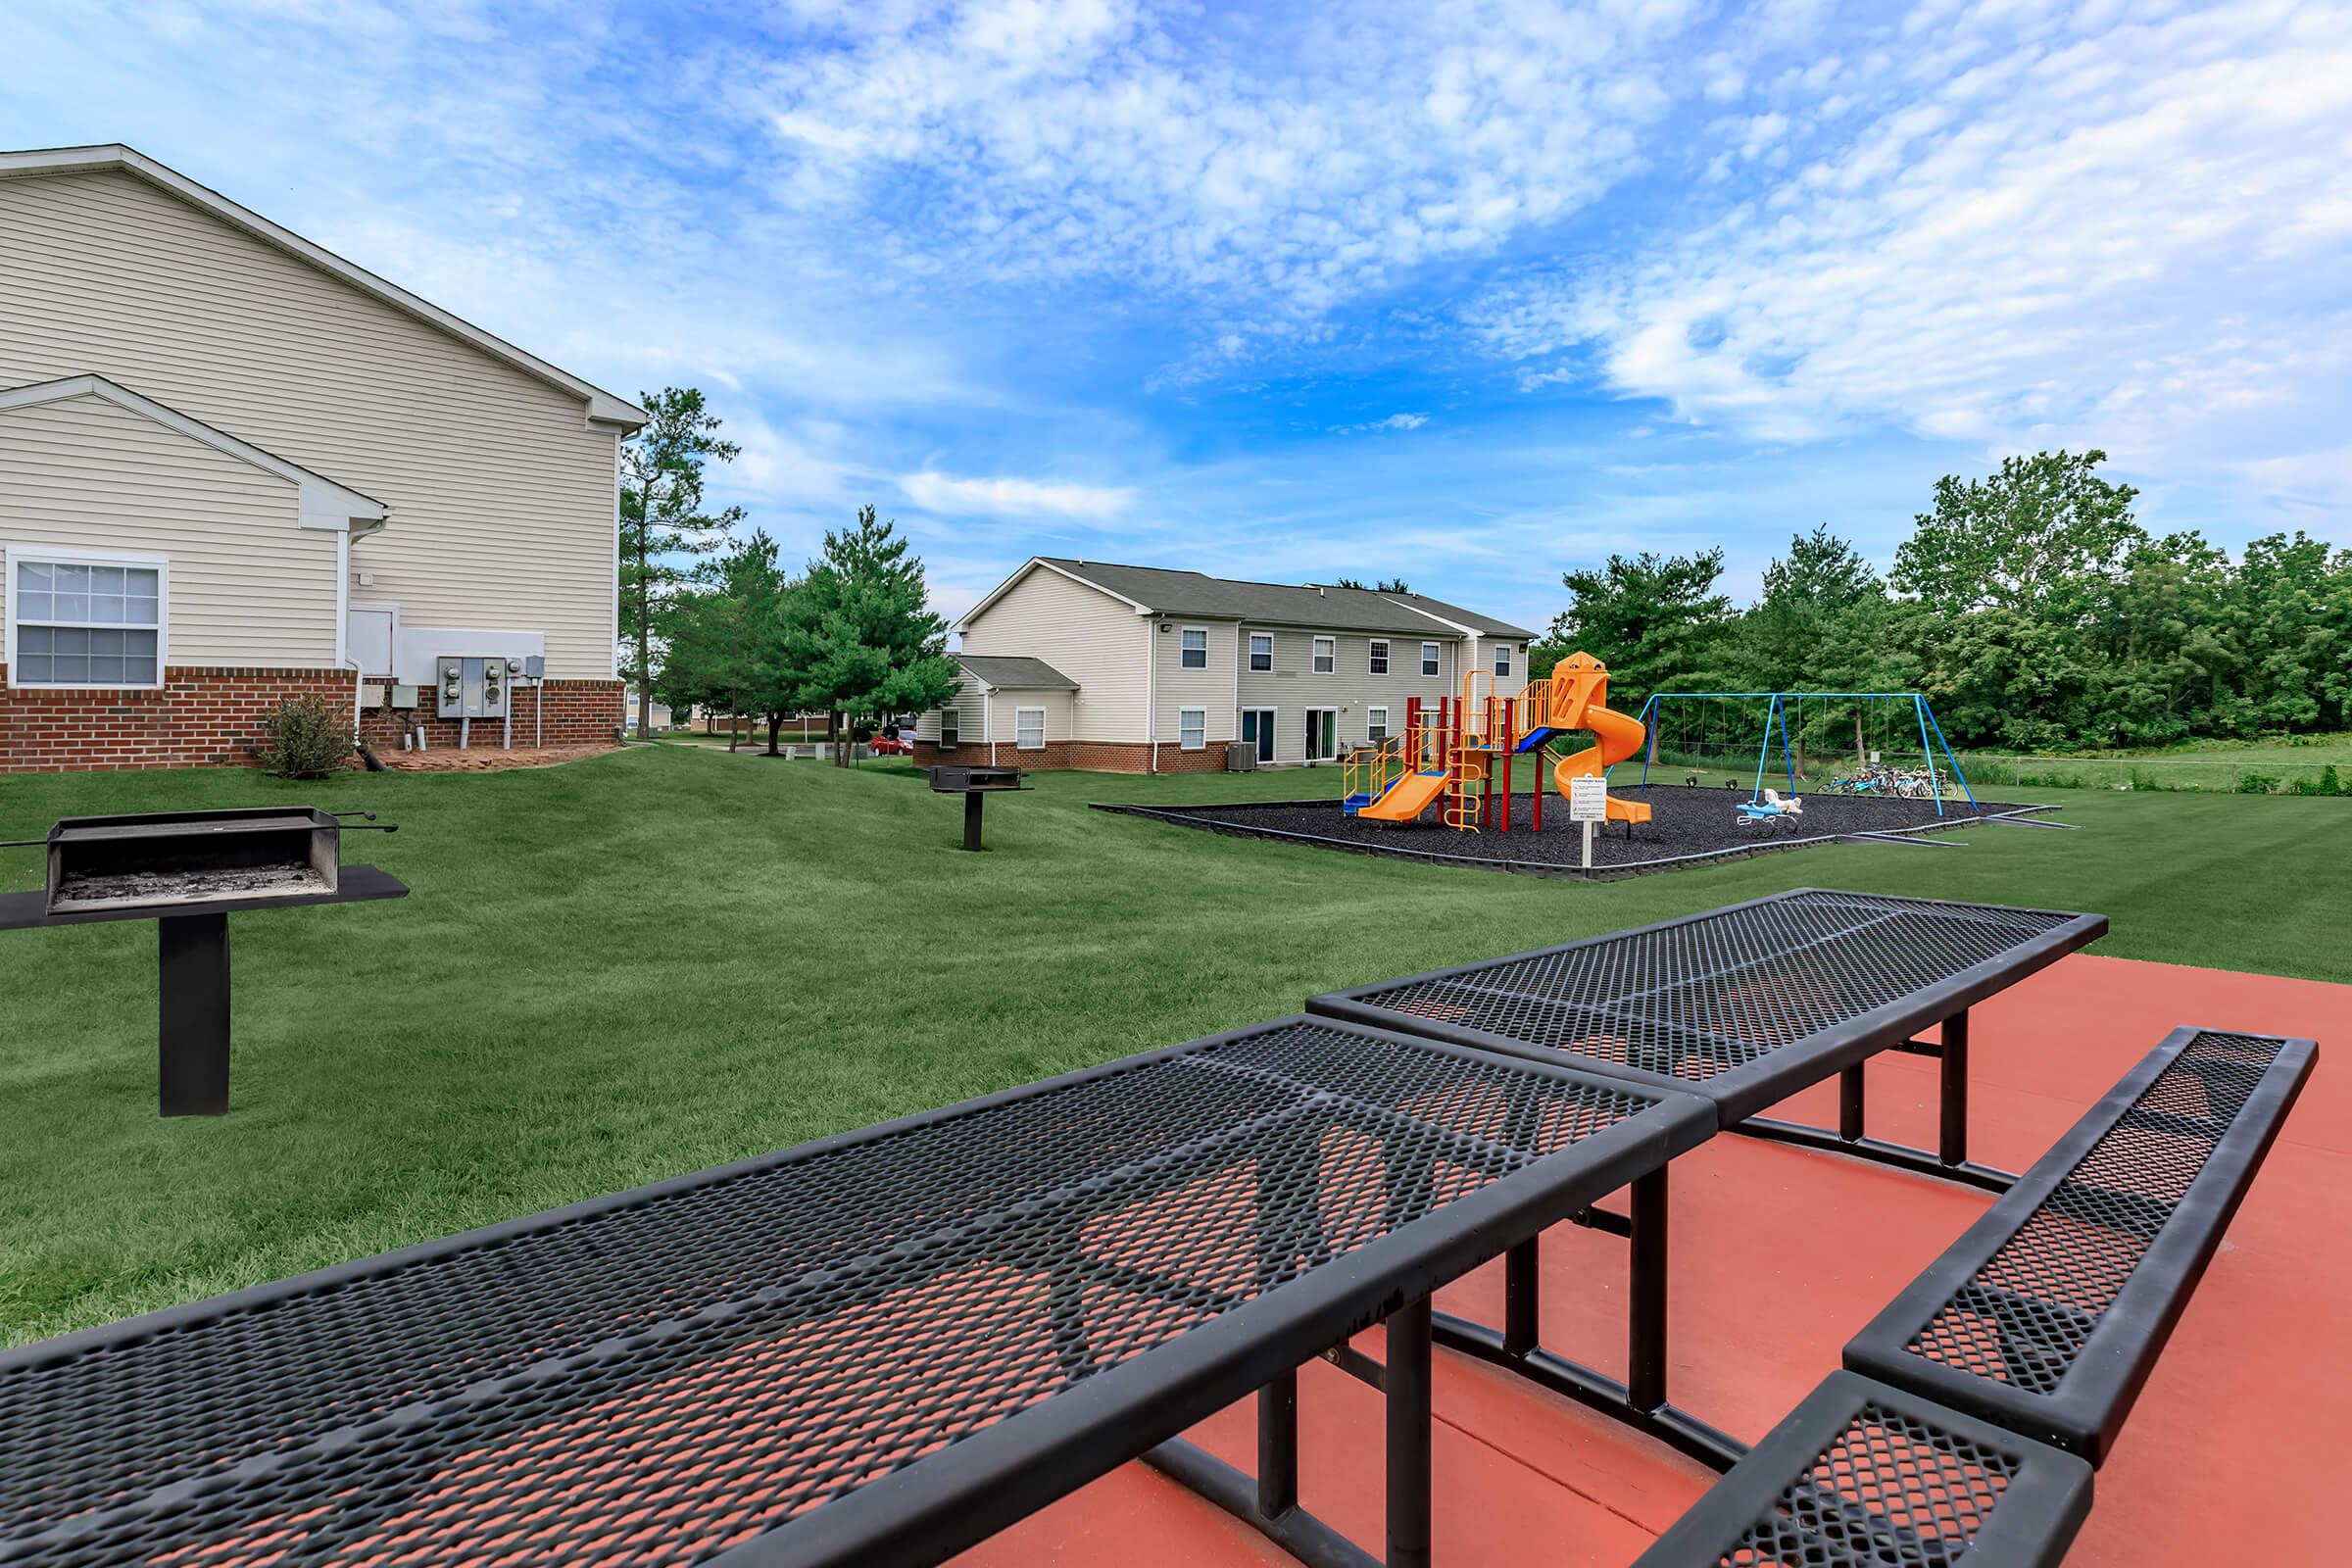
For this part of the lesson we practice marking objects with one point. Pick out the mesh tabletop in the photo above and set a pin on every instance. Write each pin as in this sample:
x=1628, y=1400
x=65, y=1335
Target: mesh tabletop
x=941, y=1322
x=1743, y=1004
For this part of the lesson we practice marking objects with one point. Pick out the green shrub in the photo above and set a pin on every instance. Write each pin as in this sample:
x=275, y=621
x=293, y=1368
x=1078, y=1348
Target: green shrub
x=2330, y=782
x=2257, y=784
x=307, y=737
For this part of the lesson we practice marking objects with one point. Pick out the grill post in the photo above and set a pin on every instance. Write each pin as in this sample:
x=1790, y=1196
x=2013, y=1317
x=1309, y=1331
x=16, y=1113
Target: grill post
x=191, y=1014
x=1952, y=1142
x=1406, y=1383
x=972, y=820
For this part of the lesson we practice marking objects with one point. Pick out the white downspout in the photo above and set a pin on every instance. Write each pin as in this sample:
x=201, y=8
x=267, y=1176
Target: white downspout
x=988, y=720
x=1152, y=690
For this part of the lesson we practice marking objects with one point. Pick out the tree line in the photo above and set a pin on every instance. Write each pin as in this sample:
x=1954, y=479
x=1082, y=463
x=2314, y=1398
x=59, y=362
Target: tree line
x=712, y=617
x=2030, y=606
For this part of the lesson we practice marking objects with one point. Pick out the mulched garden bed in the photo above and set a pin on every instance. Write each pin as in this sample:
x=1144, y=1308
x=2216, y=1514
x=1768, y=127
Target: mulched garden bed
x=1690, y=825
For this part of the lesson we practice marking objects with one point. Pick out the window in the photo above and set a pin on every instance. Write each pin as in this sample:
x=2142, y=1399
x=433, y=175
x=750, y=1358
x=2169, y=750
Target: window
x=1261, y=650
x=949, y=736
x=1326, y=655
x=85, y=620
x=1376, y=724
x=1029, y=729
x=1194, y=655
x=1191, y=728
x=1429, y=659
x=1502, y=659
x=1380, y=656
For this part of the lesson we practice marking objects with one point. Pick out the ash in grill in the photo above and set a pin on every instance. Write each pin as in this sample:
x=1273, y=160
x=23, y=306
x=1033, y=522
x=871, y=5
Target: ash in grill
x=180, y=858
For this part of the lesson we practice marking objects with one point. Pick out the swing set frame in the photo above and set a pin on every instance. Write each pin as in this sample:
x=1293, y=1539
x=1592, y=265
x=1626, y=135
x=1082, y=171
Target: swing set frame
x=1775, y=719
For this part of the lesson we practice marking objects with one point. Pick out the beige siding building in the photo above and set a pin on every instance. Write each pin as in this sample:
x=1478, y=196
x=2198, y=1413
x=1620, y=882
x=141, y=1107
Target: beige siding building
x=324, y=479
x=1074, y=663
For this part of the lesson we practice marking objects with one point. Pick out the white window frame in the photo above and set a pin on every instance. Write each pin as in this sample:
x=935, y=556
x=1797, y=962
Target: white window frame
x=1201, y=632
x=1377, y=662
x=1254, y=656
x=1430, y=664
x=46, y=556
x=1323, y=656
x=1019, y=716
x=1502, y=661
x=1376, y=724
x=1190, y=719
x=951, y=728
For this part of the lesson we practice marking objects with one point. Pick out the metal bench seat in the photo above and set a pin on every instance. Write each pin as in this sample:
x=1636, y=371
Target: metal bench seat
x=1862, y=1474
x=2047, y=1315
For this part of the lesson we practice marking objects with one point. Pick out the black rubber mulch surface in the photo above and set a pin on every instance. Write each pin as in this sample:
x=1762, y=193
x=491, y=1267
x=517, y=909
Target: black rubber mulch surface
x=1684, y=821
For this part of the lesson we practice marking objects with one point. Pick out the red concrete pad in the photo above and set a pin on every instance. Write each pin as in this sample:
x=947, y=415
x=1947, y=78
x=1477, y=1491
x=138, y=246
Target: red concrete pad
x=1779, y=1254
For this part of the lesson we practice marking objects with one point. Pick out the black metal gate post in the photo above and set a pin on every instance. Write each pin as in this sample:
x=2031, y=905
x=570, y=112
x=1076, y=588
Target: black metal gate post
x=1645, y=1297
x=1952, y=1141
x=971, y=819
x=1406, y=1381
x=191, y=1013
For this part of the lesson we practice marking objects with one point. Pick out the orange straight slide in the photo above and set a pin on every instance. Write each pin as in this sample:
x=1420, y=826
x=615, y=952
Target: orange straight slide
x=1406, y=798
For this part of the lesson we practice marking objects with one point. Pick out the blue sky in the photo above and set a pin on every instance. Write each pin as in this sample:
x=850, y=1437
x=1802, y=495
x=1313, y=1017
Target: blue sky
x=1471, y=293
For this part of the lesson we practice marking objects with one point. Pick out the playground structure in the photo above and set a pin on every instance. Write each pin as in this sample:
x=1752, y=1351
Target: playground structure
x=1775, y=723
x=1456, y=753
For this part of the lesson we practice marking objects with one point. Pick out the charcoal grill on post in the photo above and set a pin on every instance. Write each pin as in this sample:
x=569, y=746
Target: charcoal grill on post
x=188, y=871
x=974, y=784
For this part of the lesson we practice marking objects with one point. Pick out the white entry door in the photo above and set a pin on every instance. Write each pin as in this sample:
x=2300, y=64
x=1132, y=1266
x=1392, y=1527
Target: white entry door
x=1322, y=734
x=1258, y=729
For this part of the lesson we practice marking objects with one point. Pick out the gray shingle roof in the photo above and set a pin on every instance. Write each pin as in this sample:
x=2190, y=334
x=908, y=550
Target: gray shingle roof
x=1015, y=672
x=1193, y=593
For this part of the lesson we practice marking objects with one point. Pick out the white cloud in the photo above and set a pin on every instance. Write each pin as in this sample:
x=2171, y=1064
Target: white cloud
x=1394, y=421
x=1281, y=162
x=2117, y=233
x=1012, y=498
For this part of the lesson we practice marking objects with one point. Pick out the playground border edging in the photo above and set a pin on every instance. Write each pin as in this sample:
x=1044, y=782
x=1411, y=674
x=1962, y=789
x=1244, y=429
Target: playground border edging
x=1572, y=873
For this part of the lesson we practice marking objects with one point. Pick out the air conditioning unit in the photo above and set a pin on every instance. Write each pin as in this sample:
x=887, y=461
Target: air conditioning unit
x=1241, y=756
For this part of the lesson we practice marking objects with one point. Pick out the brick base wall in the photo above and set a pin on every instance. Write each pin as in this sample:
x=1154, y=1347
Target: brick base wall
x=1099, y=756
x=579, y=712
x=210, y=715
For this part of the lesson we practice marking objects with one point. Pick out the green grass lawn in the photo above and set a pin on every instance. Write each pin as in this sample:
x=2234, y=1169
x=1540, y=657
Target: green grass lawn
x=650, y=962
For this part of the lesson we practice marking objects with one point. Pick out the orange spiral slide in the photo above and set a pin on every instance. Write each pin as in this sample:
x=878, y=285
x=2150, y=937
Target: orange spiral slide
x=1577, y=698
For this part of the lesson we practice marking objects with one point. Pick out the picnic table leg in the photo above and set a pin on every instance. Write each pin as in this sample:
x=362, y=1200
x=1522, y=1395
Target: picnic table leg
x=1952, y=1142
x=1407, y=1382
x=1278, y=1447
x=1521, y=1295
x=1646, y=1328
x=1850, y=1103
x=191, y=1009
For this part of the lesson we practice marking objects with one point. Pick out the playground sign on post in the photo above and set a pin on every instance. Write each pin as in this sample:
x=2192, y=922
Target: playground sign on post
x=1587, y=803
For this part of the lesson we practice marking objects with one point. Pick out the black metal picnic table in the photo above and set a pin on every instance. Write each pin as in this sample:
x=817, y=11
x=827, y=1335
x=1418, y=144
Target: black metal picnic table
x=877, y=1349
x=1743, y=1005
x=887, y=1345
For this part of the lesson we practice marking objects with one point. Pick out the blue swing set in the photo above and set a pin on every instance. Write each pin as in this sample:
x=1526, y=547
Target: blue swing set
x=1775, y=721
